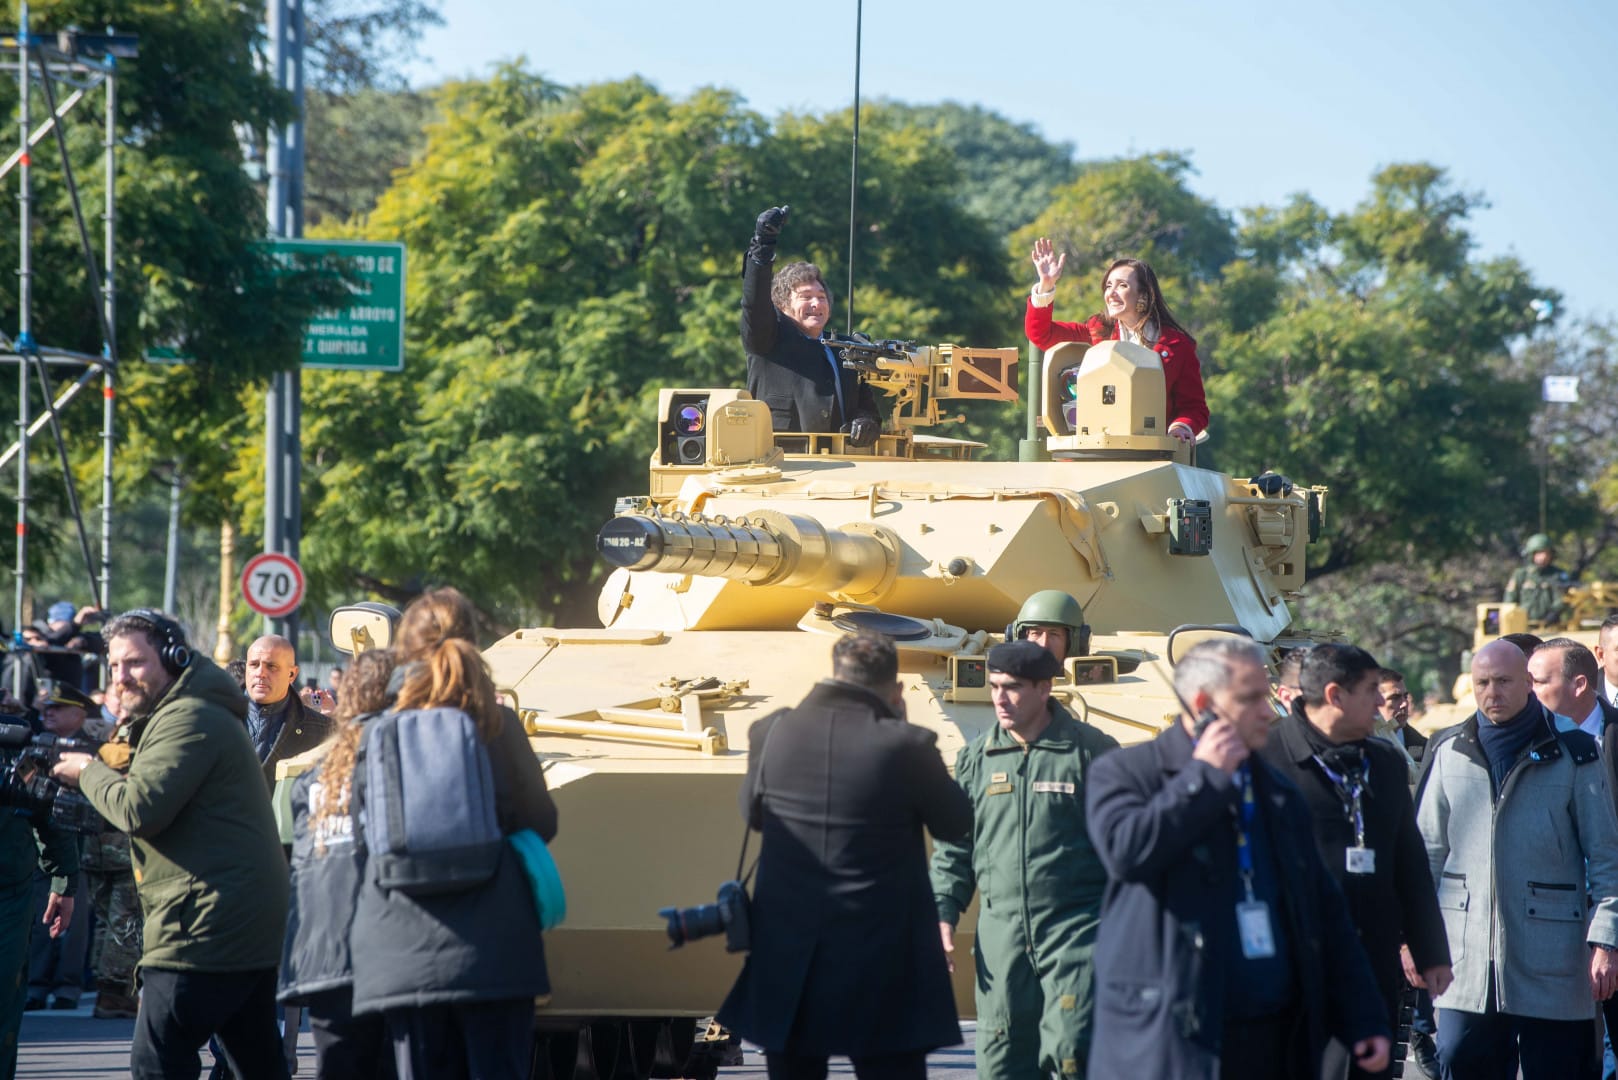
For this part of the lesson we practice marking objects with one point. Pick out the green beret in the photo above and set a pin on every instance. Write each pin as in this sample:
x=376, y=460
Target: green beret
x=1024, y=660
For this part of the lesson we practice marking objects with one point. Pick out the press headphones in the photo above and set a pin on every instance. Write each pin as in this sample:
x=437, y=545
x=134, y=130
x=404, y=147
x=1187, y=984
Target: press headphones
x=172, y=650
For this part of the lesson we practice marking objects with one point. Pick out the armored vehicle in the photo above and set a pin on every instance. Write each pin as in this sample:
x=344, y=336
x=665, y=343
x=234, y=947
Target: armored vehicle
x=751, y=551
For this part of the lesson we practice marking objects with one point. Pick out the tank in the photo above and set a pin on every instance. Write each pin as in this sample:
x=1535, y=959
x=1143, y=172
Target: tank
x=750, y=552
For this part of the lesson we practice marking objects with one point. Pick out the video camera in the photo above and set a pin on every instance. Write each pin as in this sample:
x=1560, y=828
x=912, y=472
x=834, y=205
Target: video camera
x=26, y=786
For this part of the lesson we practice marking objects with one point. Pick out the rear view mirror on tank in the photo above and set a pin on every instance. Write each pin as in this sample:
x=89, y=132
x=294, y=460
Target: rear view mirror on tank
x=356, y=628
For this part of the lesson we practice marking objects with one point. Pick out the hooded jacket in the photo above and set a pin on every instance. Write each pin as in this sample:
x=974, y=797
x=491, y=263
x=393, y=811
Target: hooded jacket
x=207, y=856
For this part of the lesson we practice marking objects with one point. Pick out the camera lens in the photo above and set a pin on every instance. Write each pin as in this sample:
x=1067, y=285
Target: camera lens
x=689, y=421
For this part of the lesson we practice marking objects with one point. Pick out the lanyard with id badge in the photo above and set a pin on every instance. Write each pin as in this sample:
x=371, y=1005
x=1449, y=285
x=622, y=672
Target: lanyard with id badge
x=1252, y=914
x=1351, y=789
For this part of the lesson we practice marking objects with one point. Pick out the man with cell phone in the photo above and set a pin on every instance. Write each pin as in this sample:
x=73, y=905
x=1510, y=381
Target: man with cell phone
x=1225, y=948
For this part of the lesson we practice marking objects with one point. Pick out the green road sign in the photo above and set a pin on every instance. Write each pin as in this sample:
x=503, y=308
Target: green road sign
x=367, y=333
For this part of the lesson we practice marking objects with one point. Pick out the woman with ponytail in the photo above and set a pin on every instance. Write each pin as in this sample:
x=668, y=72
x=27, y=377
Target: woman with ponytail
x=327, y=865
x=455, y=974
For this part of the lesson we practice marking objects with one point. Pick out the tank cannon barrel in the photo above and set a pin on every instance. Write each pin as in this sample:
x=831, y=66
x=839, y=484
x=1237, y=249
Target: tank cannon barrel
x=769, y=548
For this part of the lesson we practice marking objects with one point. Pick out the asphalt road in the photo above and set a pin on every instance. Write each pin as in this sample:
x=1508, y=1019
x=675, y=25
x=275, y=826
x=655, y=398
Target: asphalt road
x=73, y=1045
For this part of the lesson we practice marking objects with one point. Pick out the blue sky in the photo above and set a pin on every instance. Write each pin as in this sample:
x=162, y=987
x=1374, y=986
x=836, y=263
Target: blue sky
x=1519, y=102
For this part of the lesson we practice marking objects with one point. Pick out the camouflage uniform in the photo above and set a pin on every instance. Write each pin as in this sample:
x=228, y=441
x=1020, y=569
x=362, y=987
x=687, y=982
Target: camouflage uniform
x=1540, y=590
x=115, y=952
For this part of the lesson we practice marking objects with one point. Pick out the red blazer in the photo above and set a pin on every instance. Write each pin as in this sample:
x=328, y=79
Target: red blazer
x=1182, y=371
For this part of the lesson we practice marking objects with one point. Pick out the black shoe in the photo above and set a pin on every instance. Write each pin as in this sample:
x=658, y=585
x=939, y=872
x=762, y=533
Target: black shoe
x=1423, y=1055
x=63, y=1003
x=33, y=1003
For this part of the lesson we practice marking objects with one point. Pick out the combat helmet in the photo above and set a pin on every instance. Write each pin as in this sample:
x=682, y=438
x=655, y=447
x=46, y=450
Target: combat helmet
x=1053, y=607
x=1537, y=543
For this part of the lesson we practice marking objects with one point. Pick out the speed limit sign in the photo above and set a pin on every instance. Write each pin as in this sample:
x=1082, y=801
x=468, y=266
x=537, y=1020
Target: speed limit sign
x=273, y=584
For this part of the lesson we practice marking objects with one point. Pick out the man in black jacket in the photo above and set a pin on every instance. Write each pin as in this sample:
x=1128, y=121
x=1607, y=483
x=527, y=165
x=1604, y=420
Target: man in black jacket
x=281, y=725
x=1357, y=790
x=1225, y=947
x=788, y=367
x=845, y=956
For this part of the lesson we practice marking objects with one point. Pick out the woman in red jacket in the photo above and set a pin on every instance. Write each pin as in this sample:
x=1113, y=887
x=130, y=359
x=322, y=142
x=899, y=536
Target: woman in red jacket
x=1132, y=310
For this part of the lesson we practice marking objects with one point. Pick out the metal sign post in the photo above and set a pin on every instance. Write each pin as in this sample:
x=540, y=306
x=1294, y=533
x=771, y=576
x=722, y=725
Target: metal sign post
x=283, y=450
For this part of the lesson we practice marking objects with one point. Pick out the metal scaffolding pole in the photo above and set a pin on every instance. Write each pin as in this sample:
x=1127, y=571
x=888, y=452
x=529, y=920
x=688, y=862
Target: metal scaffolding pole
x=25, y=334
x=109, y=351
x=83, y=61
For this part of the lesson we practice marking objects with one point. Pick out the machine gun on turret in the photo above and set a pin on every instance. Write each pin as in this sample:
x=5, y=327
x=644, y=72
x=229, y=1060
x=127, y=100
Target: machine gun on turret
x=919, y=377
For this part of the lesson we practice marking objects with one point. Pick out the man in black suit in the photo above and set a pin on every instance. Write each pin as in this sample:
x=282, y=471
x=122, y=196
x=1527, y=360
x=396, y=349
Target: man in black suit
x=1395, y=710
x=1225, y=946
x=1358, y=793
x=846, y=957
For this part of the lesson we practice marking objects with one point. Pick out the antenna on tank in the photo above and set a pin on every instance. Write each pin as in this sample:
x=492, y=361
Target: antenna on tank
x=854, y=167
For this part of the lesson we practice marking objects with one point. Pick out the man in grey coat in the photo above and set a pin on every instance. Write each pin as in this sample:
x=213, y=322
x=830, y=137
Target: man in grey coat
x=1517, y=821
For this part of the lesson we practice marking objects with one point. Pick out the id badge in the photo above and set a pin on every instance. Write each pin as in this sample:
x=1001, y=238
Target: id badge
x=1253, y=920
x=1361, y=860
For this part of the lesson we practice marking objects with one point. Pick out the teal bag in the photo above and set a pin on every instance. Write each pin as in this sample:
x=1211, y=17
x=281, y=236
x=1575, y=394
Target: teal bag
x=543, y=877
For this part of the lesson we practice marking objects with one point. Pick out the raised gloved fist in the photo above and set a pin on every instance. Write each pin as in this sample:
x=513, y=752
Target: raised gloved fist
x=862, y=432
x=770, y=223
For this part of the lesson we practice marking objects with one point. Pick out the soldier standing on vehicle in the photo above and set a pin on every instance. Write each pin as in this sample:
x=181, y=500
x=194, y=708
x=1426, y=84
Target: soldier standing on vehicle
x=1054, y=620
x=1539, y=585
x=1030, y=857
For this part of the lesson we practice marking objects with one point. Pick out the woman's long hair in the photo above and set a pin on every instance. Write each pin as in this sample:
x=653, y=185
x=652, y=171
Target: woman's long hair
x=443, y=666
x=365, y=691
x=1157, y=309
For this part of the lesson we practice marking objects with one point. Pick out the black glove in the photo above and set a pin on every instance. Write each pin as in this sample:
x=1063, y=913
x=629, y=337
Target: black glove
x=862, y=431
x=770, y=222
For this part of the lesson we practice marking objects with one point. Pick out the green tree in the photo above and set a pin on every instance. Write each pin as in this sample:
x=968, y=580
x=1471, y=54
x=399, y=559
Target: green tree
x=1008, y=170
x=1373, y=355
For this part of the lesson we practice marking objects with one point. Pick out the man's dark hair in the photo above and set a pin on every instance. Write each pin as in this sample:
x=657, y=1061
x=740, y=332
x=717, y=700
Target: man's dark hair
x=1576, y=659
x=1291, y=664
x=237, y=670
x=792, y=275
x=1526, y=642
x=131, y=623
x=1345, y=665
x=1390, y=675
x=1610, y=622
x=867, y=660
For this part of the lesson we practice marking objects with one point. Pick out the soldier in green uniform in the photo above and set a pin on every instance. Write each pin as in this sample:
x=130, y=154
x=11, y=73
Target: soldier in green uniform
x=1030, y=857
x=1540, y=586
x=1055, y=620
x=25, y=843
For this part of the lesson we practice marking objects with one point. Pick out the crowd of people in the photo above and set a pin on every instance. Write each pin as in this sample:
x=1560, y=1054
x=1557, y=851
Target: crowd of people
x=234, y=933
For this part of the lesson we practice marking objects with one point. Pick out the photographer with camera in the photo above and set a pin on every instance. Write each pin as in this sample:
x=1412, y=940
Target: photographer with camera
x=212, y=880
x=789, y=367
x=27, y=842
x=844, y=957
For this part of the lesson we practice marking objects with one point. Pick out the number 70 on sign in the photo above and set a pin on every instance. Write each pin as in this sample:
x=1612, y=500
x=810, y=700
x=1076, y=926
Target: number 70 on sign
x=273, y=584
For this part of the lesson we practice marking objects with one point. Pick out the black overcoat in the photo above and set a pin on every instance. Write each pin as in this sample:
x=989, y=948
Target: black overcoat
x=790, y=372
x=1397, y=904
x=1162, y=823
x=846, y=956
x=1609, y=744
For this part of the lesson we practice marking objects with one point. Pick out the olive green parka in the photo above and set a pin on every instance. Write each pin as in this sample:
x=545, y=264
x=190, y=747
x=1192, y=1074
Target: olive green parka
x=207, y=857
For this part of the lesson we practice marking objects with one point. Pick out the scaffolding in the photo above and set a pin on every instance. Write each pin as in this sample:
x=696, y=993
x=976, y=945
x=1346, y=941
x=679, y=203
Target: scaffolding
x=82, y=63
